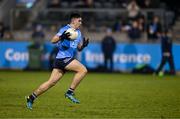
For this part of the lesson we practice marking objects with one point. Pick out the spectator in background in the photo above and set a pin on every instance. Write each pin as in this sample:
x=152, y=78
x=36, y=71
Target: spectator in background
x=38, y=36
x=117, y=26
x=134, y=32
x=142, y=23
x=89, y=3
x=54, y=4
x=154, y=29
x=167, y=55
x=53, y=28
x=85, y=4
x=108, y=47
x=133, y=10
x=148, y=3
x=2, y=30
x=123, y=3
x=8, y=35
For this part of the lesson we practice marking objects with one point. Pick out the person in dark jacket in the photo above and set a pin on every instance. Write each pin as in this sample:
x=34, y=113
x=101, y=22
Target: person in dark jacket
x=167, y=55
x=2, y=30
x=108, y=48
x=134, y=32
x=154, y=28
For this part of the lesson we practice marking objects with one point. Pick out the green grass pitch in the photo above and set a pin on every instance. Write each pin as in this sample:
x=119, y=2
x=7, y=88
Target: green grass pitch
x=101, y=95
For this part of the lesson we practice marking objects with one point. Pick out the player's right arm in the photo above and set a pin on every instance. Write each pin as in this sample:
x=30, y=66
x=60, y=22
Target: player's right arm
x=55, y=39
x=58, y=37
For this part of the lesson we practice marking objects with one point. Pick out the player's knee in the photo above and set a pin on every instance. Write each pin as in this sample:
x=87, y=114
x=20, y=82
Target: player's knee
x=84, y=70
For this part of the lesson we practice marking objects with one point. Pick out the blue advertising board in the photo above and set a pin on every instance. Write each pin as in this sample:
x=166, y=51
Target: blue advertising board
x=14, y=55
x=128, y=56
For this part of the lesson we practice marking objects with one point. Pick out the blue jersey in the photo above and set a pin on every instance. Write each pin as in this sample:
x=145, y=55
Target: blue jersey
x=71, y=45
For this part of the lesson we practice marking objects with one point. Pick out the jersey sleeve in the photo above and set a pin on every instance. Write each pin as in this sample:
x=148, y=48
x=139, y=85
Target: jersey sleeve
x=60, y=32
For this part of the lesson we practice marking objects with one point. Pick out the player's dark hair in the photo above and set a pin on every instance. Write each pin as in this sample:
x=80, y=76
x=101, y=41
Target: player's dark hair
x=75, y=15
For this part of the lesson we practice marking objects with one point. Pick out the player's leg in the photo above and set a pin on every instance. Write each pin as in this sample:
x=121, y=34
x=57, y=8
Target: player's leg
x=81, y=71
x=56, y=75
x=106, y=62
x=54, y=78
x=171, y=65
x=163, y=62
x=111, y=63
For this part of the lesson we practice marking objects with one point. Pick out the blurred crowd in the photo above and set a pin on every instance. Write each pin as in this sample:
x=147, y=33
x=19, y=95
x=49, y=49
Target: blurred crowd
x=5, y=32
x=134, y=24
x=131, y=18
x=100, y=3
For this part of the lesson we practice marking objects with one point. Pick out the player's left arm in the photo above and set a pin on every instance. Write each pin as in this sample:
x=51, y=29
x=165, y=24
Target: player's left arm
x=84, y=44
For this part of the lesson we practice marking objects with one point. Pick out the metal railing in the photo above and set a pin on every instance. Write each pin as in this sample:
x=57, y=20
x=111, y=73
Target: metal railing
x=104, y=16
x=5, y=8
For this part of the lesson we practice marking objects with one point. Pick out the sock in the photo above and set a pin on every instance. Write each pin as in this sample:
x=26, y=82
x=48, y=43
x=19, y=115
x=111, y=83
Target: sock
x=70, y=91
x=33, y=96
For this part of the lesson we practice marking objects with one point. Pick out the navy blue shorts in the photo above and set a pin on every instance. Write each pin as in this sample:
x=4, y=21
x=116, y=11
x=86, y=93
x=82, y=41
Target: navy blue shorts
x=62, y=63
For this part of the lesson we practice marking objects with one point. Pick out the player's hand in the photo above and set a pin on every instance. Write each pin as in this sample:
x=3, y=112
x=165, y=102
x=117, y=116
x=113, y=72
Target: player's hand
x=65, y=35
x=85, y=42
